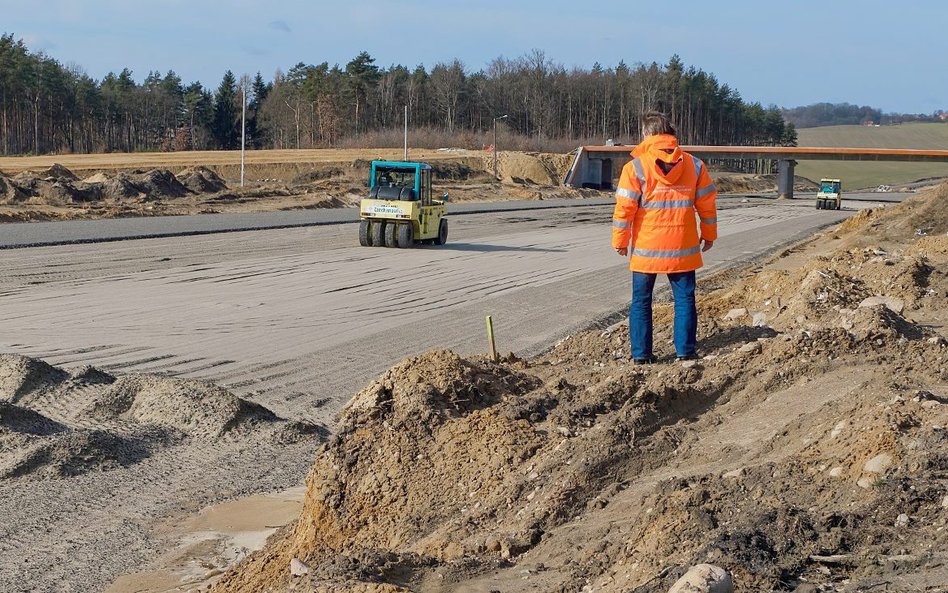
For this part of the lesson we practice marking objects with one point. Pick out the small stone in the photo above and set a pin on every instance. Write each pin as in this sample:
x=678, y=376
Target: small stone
x=564, y=431
x=878, y=464
x=704, y=578
x=735, y=314
x=934, y=340
x=902, y=520
x=838, y=429
x=751, y=347
x=298, y=568
x=944, y=502
x=836, y=472
x=689, y=364
x=759, y=319
x=894, y=304
x=864, y=483
x=734, y=473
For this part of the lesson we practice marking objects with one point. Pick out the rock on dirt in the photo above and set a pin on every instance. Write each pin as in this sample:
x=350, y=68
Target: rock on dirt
x=896, y=305
x=878, y=464
x=704, y=578
x=298, y=568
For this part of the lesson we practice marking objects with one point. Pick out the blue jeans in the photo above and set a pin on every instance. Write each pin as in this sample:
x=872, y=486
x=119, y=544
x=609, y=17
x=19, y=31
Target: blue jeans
x=640, y=313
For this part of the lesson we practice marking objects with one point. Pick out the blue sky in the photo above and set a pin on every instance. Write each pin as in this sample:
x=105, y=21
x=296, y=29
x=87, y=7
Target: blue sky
x=885, y=54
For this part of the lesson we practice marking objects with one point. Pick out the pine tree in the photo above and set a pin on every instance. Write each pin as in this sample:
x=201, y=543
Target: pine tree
x=363, y=74
x=226, y=127
x=259, y=89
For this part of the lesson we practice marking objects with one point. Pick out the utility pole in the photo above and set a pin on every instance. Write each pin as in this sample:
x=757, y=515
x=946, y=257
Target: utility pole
x=496, y=119
x=243, y=126
x=406, y=133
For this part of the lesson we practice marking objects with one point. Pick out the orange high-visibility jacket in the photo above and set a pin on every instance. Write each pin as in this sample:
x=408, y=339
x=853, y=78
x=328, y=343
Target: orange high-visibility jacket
x=655, y=211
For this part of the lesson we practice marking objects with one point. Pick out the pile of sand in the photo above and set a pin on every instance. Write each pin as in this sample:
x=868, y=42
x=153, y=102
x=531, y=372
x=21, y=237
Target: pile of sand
x=56, y=423
x=527, y=168
x=796, y=452
x=198, y=409
x=36, y=446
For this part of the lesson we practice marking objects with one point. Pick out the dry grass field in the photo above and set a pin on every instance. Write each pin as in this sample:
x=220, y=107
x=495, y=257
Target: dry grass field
x=260, y=164
x=857, y=175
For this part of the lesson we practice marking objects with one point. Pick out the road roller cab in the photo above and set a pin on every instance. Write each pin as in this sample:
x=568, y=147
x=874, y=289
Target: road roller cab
x=400, y=209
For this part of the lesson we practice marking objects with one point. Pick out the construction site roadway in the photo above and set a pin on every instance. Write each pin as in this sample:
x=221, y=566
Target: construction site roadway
x=33, y=234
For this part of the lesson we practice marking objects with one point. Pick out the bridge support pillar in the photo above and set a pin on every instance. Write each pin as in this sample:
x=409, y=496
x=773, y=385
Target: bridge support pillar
x=785, y=178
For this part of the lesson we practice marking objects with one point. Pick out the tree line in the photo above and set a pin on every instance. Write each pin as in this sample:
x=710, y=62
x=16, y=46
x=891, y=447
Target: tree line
x=46, y=107
x=840, y=114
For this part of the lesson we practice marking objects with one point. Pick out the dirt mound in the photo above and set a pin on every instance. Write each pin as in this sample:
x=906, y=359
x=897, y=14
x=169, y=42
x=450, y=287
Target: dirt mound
x=59, y=186
x=201, y=180
x=157, y=183
x=806, y=447
x=14, y=418
x=58, y=172
x=197, y=409
x=460, y=170
x=65, y=454
x=56, y=185
x=10, y=193
x=55, y=423
x=120, y=187
x=21, y=376
x=526, y=168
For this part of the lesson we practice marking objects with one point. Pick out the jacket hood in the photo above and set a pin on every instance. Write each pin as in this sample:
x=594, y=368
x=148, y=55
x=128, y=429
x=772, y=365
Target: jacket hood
x=660, y=148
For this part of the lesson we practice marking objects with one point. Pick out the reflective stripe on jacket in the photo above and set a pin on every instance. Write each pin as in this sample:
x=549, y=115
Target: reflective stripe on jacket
x=655, y=212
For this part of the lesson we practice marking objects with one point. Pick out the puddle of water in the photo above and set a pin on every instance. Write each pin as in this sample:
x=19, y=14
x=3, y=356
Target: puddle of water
x=211, y=540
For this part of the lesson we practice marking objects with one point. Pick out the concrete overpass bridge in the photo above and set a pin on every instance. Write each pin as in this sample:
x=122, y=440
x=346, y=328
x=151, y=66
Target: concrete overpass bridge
x=599, y=166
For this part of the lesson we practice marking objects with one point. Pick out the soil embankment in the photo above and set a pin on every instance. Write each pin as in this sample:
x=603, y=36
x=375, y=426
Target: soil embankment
x=109, y=186
x=98, y=188
x=807, y=450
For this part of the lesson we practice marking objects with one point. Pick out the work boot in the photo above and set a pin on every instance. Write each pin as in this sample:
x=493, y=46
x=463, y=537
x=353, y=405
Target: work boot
x=688, y=357
x=649, y=360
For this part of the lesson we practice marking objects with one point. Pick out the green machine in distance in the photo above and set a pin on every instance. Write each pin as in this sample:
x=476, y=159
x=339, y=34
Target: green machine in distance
x=830, y=196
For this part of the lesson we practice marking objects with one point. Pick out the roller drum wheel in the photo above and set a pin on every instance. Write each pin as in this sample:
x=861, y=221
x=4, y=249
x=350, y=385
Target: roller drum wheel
x=390, y=230
x=378, y=233
x=404, y=235
x=365, y=237
x=442, y=232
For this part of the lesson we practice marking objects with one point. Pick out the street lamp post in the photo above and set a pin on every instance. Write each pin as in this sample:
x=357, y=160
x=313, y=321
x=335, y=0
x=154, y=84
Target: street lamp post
x=496, y=119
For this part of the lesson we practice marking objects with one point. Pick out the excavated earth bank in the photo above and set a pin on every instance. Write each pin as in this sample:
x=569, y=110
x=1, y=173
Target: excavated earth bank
x=807, y=450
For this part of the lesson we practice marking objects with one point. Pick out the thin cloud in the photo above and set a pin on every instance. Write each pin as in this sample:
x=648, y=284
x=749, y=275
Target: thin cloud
x=281, y=26
x=253, y=51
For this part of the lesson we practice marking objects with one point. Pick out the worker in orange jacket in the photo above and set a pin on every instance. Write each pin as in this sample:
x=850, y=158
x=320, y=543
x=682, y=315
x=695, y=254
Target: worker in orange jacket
x=659, y=193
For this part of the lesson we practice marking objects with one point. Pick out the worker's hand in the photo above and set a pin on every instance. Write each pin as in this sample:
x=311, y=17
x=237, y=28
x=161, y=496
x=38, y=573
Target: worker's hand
x=707, y=245
x=623, y=251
